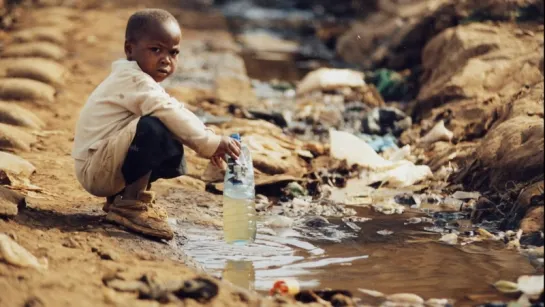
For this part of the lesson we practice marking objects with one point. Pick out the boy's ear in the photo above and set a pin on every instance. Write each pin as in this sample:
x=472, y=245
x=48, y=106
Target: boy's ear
x=128, y=50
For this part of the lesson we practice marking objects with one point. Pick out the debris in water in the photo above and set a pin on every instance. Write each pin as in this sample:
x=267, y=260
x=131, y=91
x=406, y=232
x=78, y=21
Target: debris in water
x=405, y=298
x=356, y=219
x=413, y=220
x=372, y=293
x=279, y=221
x=437, y=302
x=466, y=195
x=285, y=286
x=505, y=286
x=14, y=254
x=385, y=232
x=450, y=238
x=389, y=207
x=531, y=285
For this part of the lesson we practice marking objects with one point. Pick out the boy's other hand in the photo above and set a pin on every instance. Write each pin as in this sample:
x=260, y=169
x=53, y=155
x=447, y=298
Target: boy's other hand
x=228, y=146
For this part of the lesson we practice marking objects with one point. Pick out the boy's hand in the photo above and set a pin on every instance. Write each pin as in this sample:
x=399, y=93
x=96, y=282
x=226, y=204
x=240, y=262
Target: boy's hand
x=228, y=146
x=217, y=161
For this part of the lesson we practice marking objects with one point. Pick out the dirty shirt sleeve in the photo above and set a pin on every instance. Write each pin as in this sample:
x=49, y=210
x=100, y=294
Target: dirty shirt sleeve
x=184, y=124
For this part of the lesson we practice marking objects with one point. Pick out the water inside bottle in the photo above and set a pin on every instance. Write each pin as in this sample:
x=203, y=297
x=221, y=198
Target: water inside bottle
x=239, y=216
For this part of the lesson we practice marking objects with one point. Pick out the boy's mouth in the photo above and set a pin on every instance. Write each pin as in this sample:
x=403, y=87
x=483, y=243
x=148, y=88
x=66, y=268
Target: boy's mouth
x=163, y=71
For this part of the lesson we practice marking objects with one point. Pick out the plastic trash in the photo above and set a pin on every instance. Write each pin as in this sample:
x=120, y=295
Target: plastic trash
x=239, y=215
x=329, y=79
x=402, y=173
x=438, y=133
x=285, y=286
x=380, y=143
x=386, y=120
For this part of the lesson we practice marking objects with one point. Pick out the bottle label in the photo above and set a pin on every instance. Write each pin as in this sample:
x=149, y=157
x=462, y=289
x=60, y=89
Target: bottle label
x=237, y=170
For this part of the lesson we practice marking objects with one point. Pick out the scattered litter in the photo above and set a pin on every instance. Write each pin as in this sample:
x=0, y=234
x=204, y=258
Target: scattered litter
x=356, y=219
x=438, y=133
x=413, y=220
x=13, y=253
x=329, y=79
x=389, y=207
x=279, y=221
x=466, y=195
x=385, y=232
x=406, y=298
x=372, y=293
x=437, y=302
x=386, y=120
x=380, y=143
x=285, y=286
x=450, y=238
x=531, y=286
x=294, y=189
x=397, y=174
x=505, y=286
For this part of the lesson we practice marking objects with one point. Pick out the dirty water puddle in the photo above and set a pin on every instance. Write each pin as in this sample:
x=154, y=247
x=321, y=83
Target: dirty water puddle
x=339, y=256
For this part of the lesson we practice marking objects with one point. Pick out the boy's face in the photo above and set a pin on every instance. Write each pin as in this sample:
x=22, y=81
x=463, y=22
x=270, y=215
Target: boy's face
x=156, y=51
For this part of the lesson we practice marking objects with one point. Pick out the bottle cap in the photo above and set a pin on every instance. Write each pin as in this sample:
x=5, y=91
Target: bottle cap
x=236, y=136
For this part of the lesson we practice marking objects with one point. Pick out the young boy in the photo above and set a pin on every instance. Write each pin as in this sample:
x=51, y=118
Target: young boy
x=130, y=131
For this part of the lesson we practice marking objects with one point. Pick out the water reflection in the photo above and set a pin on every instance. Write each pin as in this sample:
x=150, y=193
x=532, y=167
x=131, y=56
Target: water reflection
x=240, y=273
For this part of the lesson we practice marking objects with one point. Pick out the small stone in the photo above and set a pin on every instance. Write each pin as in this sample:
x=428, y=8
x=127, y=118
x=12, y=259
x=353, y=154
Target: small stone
x=407, y=298
x=71, y=243
x=385, y=232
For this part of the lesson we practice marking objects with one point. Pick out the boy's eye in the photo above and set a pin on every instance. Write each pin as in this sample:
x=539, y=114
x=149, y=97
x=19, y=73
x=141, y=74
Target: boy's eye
x=174, y=52
x=155, y=49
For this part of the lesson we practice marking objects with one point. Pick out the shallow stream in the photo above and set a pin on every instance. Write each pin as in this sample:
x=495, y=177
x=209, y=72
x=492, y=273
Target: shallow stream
x=409, y=260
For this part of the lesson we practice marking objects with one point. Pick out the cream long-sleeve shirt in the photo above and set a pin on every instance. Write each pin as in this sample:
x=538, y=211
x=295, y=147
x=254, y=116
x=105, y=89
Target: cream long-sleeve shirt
x=128, y=93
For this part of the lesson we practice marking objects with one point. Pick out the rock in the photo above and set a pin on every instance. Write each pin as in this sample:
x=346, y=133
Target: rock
x=13, y=138
x=26, y=89
x=452, y=61
x=47, y=34
x=15, y=254
x=190, y=182
x=13, y=165
x=10, y=202
x=13, y=114
x=394, y=35
x=35, y=49
x=200, y=289
x=38, y=69
x=533, y=221
x=509, y=152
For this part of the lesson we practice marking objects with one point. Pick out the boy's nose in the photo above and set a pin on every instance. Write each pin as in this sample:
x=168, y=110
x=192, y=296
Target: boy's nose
x=165, y=59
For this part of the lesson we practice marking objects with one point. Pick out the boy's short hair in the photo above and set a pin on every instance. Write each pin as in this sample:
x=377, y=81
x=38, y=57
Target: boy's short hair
x=140, y=21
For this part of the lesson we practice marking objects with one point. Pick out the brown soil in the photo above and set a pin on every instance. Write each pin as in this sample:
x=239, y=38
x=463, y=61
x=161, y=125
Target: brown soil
x=65, y=224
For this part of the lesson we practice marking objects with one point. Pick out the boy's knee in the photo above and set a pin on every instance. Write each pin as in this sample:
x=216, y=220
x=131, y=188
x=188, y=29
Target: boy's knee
x=151, y=126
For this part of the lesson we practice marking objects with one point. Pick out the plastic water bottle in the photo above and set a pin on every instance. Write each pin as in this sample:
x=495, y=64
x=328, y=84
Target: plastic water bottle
x=239, y=216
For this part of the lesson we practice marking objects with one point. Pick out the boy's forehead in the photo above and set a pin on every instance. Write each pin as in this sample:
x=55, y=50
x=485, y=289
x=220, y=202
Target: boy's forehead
x=168, y=32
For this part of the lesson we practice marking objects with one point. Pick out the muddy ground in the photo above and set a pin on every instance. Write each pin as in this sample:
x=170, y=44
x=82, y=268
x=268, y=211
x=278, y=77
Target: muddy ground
x=64, y=225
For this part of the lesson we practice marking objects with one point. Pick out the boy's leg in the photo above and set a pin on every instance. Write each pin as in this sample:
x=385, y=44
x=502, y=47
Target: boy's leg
x=154, y=150
x=153, y=154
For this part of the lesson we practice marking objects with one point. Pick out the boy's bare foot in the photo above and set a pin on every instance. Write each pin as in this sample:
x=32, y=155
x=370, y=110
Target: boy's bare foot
x=141, y=216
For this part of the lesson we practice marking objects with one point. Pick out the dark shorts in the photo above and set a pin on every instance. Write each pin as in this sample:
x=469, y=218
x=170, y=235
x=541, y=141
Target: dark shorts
x=153, y=149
